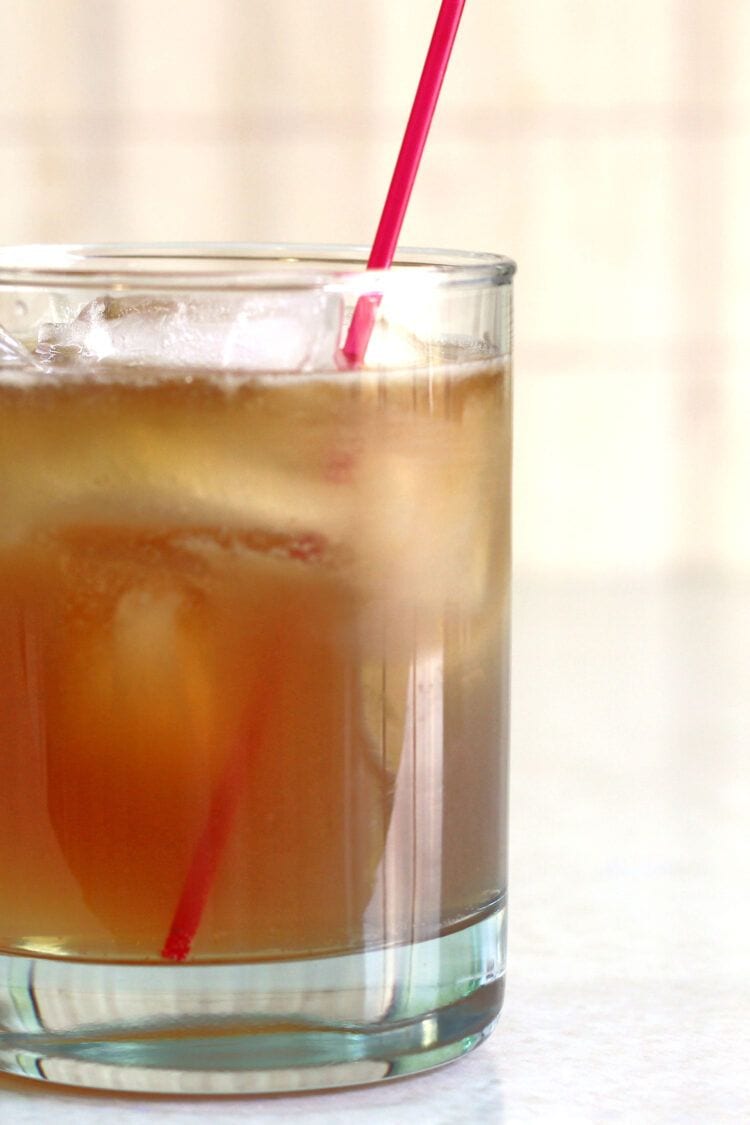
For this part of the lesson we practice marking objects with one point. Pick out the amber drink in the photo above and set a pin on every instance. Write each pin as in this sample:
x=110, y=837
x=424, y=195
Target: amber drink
x=253, y=653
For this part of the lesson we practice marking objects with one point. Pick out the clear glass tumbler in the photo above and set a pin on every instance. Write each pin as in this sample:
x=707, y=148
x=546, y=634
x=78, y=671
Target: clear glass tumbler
x=254, y=650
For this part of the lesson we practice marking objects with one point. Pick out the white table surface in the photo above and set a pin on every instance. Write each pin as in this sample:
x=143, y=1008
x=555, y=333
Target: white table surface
x=629, y=981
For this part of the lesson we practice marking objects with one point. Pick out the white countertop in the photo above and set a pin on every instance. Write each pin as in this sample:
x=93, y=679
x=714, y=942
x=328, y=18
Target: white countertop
x=629, y=978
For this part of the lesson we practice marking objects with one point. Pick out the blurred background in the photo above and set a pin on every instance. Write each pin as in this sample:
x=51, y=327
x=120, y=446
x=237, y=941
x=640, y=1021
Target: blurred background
x=605, y=146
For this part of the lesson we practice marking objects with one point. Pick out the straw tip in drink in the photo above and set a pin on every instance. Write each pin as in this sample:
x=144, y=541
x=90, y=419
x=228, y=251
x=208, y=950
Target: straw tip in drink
x=177, y=947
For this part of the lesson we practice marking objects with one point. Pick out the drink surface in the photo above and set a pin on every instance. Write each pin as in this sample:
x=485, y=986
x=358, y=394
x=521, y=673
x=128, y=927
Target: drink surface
x=290, y=588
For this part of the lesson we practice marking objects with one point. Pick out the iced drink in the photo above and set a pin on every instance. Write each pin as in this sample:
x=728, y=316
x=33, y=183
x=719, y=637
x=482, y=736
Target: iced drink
x=254, y=619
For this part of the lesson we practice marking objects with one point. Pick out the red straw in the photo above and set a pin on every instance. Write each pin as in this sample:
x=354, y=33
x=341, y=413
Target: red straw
x=210, y=845
x=404, y=174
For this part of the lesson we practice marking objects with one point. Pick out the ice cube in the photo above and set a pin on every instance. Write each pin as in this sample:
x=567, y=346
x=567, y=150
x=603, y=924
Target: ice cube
x=428, y=488
x=10, y=349
x=14, y=354
x=269, y=332
x=392, y=347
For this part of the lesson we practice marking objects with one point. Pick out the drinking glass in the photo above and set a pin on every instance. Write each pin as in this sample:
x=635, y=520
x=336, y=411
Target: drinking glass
x=254, y=606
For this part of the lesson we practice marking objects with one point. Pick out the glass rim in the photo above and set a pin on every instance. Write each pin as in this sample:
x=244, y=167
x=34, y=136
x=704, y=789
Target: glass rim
x=242, y=265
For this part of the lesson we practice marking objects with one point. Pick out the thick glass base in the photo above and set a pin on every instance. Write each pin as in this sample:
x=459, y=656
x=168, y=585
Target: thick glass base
x=253, y=1028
